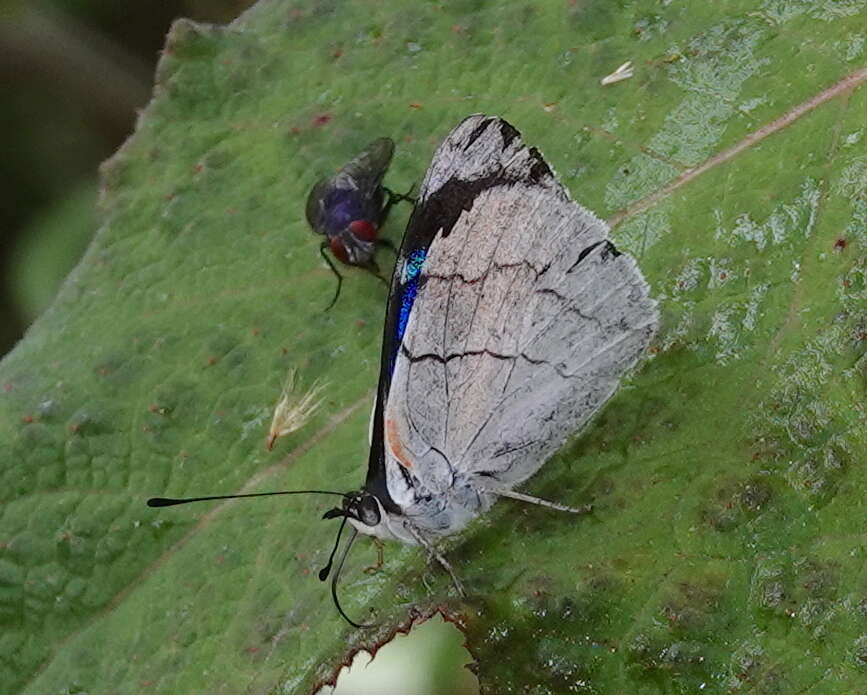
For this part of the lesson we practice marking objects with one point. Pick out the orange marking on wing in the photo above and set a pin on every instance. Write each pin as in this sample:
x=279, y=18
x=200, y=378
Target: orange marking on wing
x=392, y=439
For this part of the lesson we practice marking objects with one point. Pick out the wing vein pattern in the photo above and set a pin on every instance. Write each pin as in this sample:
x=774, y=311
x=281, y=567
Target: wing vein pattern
x=525, y=318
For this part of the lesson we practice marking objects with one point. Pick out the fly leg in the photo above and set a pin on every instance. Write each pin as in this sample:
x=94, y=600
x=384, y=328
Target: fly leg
x=333, y=270
x=393, y=198
x=385, y=244
x=372, y=268
x=373, y=569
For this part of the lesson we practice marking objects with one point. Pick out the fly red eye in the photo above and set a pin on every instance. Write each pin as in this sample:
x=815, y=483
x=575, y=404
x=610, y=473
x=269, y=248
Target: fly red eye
x=339, y=250
x=363, y=229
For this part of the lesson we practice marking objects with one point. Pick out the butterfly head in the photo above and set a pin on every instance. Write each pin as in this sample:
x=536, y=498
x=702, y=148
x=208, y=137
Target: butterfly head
x=360, y=507
x=367, y=514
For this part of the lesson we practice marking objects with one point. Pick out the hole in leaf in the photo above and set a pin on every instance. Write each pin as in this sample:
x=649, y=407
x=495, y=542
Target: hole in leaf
x=429, y=660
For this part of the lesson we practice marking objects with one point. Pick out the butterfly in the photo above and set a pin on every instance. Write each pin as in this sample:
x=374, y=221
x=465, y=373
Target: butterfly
x=351, y=206
x=511, y=320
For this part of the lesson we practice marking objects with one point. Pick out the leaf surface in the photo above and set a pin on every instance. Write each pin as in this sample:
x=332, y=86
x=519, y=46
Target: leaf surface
x=726, y=551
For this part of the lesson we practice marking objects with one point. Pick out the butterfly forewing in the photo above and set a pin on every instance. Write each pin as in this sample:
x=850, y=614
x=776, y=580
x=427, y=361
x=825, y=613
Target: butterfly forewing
x=524, y=316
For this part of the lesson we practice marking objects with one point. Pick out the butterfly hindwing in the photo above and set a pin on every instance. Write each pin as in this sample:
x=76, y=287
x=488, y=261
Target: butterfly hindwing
x=523, y=316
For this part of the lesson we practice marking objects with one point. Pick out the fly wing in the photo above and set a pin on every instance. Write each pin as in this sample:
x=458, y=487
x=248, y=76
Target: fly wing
x=522, y=318
x=368, y=168
x=361, y=177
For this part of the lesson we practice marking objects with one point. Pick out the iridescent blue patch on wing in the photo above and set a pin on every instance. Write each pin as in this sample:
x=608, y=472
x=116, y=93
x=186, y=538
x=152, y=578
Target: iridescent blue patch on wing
x=412, y=272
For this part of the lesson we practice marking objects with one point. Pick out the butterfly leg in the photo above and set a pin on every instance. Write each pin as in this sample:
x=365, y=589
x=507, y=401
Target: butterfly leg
x=374, y=568
x=333, y=270
x=438, y=557
x=502, y=492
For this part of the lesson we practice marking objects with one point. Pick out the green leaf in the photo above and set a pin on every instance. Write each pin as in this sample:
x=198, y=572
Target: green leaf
x=726, y=551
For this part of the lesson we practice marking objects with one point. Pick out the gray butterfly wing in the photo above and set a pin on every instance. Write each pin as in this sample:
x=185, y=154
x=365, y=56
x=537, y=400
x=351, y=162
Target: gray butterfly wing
x=524, y=321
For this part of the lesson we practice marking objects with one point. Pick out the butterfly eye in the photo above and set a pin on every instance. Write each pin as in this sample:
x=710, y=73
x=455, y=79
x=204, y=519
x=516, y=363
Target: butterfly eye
x=362, y=229
x=368, y=511
x=339, y=250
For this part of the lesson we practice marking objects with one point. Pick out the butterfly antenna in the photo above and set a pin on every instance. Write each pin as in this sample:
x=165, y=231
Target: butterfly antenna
x=336, y=577
x=169, y=502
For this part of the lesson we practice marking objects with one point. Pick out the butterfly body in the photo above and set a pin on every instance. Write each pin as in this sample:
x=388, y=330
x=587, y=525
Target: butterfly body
x=422, y=512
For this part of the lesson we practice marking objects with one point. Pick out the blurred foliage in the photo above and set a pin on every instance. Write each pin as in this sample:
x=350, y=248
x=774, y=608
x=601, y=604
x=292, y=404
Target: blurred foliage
x=73, y=74
x=50, y=248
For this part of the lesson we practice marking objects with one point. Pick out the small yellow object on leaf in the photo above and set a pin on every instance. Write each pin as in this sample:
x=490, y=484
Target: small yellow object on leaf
x=624, y=72
x=292, y=412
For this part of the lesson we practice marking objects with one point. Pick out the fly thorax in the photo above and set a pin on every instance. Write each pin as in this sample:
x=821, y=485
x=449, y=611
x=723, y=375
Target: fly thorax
x=359, y=251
